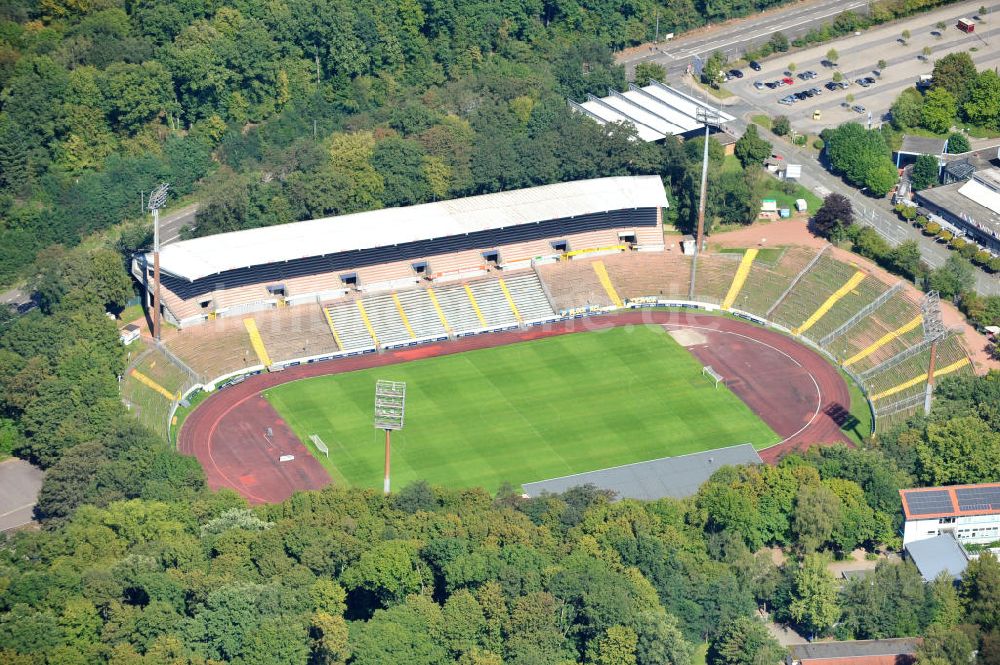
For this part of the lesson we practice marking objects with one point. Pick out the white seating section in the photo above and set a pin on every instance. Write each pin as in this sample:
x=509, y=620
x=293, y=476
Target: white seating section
x=456, y=306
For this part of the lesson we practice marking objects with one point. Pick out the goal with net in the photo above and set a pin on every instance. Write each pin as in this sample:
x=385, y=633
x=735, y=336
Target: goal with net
x=713, y=375
x=320, y=446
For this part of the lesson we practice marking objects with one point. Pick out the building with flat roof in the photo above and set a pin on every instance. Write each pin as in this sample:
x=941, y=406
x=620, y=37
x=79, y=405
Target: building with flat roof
x=893, y=651
x=970, y=513
x=382, y=250
x=914, y=146
x=656, y=111
x=675, y=477
x=973, y=206
x=940, y=554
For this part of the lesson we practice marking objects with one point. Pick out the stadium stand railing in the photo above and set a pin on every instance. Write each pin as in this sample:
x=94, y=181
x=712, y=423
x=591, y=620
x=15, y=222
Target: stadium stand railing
x=854, y=300
x=152, y=385
x=888, y=330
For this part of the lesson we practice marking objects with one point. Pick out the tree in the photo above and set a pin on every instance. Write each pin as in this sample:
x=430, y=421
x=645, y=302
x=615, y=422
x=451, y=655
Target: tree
x=779, y=42
x=926, y=51
x=814, y=596
x=925, y=172
x=837, y=77
x=954, y=277
x=617, y=647
x=906, y=109
x=983, y=104
x=817, y=512
x=882, y=64
x=906, y=36
x=980, y=591
x=792, y=67
x=745, y=641
x=833, y=56
x=834, y=216
x=958, y=143
x=938, y=111
x=711, y=71
x=959, y=450
x=781, y=125
x=947, y=646
x=645, y=72
x=751, y=149
x=955, y=73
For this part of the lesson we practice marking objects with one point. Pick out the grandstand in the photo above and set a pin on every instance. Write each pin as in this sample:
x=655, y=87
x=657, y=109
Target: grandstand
x=889, y=329
x=813, y=290
x=234, y=274
x=714, y=275
x=151, y=385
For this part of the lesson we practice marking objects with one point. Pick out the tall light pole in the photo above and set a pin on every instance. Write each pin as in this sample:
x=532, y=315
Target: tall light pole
x=934, y=330
x=710, y=117
x=390, y=408
x=157, y=199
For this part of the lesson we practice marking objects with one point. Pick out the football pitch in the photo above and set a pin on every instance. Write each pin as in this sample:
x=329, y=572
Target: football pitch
x=523, y=412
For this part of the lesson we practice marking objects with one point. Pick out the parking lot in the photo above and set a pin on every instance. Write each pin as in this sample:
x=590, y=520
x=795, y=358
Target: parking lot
x=858, y=58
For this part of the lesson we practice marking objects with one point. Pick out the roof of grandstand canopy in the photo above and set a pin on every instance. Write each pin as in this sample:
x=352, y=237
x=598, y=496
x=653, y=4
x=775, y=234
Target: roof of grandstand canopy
x=656, y=110
x=202, y=257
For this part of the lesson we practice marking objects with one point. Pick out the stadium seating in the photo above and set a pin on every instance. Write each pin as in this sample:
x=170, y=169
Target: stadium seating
x=295, y=332
x=663, y=275
x=880, y=335
x=767, y=281
x=574, y=284
x=529, y=297
x=421, y=313
x=824, y=278
x=350, y=327
x=865, y=293
x=384, y=316
x=493, y=303
x=714, y=275
x=218, y=347
x=458, y=309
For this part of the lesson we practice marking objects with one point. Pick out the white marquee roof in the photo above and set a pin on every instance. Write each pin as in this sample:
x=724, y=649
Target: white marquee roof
x=201, y=257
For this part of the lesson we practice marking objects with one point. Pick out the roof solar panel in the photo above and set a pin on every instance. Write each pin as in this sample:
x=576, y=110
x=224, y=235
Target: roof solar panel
x=978, y=498
x=928, y=502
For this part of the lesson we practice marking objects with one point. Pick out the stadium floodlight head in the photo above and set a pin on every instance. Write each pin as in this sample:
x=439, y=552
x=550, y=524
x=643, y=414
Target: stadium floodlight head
x=157, y=199
x=390, y=408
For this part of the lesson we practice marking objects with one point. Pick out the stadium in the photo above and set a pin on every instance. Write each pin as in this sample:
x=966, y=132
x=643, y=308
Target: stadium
x=542, y=333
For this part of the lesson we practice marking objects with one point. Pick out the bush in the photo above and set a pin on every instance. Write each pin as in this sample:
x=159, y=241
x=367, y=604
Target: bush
x=958, y=143
x=908, y=213
x=818, y=144
x=944, y=236
x=994, y=264
x=969, y=250
x=957, y=243
x=800, y=139
x=920, y=221
x=932, y=229
x=982, y=257
x=780, y=125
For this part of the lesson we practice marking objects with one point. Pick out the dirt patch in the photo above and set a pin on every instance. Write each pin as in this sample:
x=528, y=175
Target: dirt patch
x=687, y=337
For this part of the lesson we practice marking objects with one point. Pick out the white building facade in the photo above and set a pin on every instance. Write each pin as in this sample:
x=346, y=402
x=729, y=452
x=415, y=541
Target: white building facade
x=971, y=513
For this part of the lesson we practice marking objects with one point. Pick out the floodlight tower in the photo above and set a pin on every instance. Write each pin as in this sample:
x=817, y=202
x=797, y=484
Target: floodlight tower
x=934, y=331
x=157, y=199
x=710, y=118
x=390, y=407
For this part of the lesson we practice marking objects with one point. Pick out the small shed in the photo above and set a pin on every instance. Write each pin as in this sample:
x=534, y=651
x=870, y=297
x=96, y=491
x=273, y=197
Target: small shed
x=129, y=334
x=801, y=205
x=688, y=245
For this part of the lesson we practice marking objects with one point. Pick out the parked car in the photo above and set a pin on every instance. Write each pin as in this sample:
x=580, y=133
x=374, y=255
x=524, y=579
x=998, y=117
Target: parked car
x=831, y=86
x=787, y=80
x=862, y=82
x=858, y=108
x=870, y=80
x=758, y=84
x=844, y=85
x=754, y=65
x=735, y=73
x=816, y=91
x=786, y=101
x=807, y=75
x=771, y=85
x=801, y=95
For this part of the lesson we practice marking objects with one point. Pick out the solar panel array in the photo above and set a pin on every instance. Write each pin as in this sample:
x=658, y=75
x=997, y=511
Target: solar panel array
x=929, y=502
x=978, y=498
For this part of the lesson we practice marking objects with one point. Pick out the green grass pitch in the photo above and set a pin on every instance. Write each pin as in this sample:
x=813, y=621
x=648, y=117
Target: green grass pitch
x=524, y=412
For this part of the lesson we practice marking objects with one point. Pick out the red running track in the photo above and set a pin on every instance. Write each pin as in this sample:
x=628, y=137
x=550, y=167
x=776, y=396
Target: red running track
x=790, y=386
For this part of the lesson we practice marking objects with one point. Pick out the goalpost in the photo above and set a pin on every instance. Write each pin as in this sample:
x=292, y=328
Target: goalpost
x=712, y=374
x=320, y=446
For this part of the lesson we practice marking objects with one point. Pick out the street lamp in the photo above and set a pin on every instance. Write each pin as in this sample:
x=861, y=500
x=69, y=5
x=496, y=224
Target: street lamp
x=157, y=199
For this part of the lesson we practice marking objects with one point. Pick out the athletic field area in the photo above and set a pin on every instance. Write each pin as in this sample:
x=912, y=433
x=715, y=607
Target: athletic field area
x=523, y=412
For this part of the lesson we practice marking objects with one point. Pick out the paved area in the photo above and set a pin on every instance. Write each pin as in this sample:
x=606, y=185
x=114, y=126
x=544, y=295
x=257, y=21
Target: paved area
x=19, y=485
x=172, y=222
x=736, y=36
x=858, y=58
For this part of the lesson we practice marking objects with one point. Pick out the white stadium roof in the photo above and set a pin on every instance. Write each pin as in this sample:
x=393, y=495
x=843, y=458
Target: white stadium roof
x=201, y=257
x=655, y=111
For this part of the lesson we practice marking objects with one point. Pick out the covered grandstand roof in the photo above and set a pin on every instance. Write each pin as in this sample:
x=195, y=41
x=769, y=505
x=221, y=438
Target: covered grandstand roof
x=201, y=257
x=656, y=110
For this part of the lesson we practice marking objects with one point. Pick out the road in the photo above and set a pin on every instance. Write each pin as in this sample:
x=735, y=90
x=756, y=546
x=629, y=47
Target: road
x=172, y=222
x=735, y=37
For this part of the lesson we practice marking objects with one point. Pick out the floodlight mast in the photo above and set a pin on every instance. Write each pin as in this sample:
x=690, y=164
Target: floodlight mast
x=390, y=408
x=709, y=117
x=157, y=199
